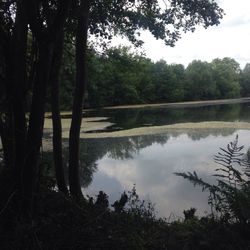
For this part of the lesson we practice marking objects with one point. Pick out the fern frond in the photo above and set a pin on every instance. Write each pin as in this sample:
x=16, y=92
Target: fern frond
x=195, y=180
x=230, y=197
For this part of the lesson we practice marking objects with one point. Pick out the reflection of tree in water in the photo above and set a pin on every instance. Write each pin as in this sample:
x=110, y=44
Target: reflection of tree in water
x=92, y=150
x=120, y=147
x=86, y=173
x=127, y=147
x=87, y=164
x=131, y=118
x=203, y=133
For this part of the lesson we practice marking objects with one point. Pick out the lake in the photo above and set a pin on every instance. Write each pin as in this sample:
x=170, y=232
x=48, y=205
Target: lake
x=148, y=160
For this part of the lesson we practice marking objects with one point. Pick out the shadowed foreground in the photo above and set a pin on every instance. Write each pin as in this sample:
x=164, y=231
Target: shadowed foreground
x=61, y=223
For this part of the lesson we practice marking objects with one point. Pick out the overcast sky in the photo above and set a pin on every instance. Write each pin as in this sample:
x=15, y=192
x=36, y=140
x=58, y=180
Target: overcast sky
x=230, y=39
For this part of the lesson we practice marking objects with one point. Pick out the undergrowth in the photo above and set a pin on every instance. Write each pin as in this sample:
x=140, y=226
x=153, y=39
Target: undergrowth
x=131, y=223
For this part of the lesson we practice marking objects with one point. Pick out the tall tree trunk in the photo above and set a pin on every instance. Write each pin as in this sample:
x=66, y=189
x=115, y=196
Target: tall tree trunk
x=6, y=114
x=45, y=37
x=19, y=47
x=56, y=117
x=15, y=122
x=80, y=87
x=35, y=130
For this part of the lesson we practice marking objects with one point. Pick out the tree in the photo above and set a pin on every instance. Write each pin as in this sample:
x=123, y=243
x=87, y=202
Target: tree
x=44, y=22
x=80, y=88
x=145, y=86
x=118, y=76
x=200, y=84
x=160, y=77
x=167, y=82
x=245, y=81
x=226, y=76
x=177, y=82
x=128, y=17
x=56, y=118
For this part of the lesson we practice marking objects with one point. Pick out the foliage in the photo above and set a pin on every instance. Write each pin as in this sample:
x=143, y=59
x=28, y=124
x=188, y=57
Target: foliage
x=226, y=76
x=200, y=82
x=245, y=80
x=113, y=78
x=121, y=76
x=230, y=197
x=164, y=20
x=92, y=224
x=139, y=208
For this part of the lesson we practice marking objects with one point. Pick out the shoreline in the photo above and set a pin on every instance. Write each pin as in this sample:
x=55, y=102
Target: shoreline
x=166, y=105
x=180, y=104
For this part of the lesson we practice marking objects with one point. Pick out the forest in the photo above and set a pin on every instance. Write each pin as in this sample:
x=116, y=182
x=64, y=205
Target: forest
x=46, y=60
x=118, y=76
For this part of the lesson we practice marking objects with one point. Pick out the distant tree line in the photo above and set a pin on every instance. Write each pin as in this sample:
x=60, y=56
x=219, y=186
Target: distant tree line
x=119, y=77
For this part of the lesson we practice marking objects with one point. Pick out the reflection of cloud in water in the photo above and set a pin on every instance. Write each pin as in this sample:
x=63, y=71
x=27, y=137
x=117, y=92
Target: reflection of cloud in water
x=154, y=164
x=110, y=185
x=122, y=170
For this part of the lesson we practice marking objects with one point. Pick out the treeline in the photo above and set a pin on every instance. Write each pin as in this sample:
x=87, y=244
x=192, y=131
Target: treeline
x=119, y=77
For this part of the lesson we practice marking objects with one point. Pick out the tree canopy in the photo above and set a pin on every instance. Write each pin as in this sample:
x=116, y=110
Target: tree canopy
x=121, y=76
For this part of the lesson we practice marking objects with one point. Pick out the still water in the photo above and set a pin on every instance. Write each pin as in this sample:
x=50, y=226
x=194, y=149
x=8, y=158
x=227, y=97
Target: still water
x=149, y=161
x=157, y=116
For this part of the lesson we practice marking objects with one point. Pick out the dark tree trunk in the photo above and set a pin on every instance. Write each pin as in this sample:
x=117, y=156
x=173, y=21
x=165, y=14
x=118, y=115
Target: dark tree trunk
x=7, y=119
x=15, y=123
x=56, y=117
x=19, y=47
x=35, y=130
x=81, y=41
x=33, y=65
x=7, y=137
x=46, y=38
x=3, y=137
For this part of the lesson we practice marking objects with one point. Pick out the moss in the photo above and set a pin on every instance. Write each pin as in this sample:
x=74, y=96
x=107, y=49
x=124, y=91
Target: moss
x=180, y=127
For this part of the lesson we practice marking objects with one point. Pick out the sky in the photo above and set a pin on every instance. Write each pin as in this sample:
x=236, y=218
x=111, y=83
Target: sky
x=231, y=38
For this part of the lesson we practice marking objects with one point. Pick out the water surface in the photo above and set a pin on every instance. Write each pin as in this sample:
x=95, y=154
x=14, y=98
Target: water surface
x=149, y=161
x=157, y=116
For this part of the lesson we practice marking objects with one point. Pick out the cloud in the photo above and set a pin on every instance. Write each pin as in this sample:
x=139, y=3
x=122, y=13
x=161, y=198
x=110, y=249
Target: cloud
x=230, y=39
